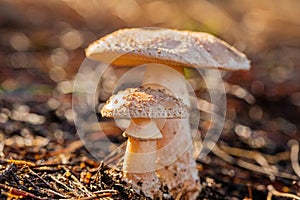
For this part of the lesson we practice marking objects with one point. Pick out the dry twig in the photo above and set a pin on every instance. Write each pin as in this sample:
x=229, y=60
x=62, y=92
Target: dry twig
x=19, y=193
x=274, y=192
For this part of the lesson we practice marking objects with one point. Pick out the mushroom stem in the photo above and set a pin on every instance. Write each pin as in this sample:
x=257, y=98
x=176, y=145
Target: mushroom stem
x=175, y=162
x=140, y=158
x=182, y=174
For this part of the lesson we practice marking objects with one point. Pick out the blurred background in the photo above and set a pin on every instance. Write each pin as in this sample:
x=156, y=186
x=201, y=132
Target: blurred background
x=46, y=40
x=42, y=46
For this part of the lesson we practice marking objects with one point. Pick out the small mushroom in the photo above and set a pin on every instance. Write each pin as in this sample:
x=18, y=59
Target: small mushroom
x=179, y=50
x=146, y=108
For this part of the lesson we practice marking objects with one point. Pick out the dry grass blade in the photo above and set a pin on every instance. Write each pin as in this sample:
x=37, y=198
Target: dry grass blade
x=18, y=162
x=1, y=149
x=239, y=92
x=295, y=156
x=63, y=185
x=52, y=193
x=265, y=169
x=273, y=192
x=256, y=156
x=253, y=154
x=76, y=182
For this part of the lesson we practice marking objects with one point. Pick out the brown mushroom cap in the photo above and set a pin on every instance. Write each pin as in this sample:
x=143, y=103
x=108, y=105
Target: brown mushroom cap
x=138, y=46
x=144, y=103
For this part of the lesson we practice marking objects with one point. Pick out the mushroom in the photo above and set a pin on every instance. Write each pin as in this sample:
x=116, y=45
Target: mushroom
x=179, y=50
x=146, y=108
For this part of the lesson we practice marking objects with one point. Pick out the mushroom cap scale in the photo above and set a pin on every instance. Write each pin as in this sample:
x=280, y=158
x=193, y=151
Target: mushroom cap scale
x=144, y=103
x=136, y=46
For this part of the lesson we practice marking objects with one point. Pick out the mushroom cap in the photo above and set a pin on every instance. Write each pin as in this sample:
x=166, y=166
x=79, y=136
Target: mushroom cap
x=144, y=103
x=136, y=46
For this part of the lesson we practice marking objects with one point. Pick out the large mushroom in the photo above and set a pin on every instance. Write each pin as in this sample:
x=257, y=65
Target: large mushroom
x=179, y=50
x=146, y=108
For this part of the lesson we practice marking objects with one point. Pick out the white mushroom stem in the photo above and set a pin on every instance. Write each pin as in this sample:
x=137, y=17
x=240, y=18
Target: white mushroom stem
x=176, y=165
x=140, y=157
x=181, y=174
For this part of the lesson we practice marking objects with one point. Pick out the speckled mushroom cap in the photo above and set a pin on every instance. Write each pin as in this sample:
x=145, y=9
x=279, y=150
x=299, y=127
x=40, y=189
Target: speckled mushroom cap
x=144, y=103
x=136, y=46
